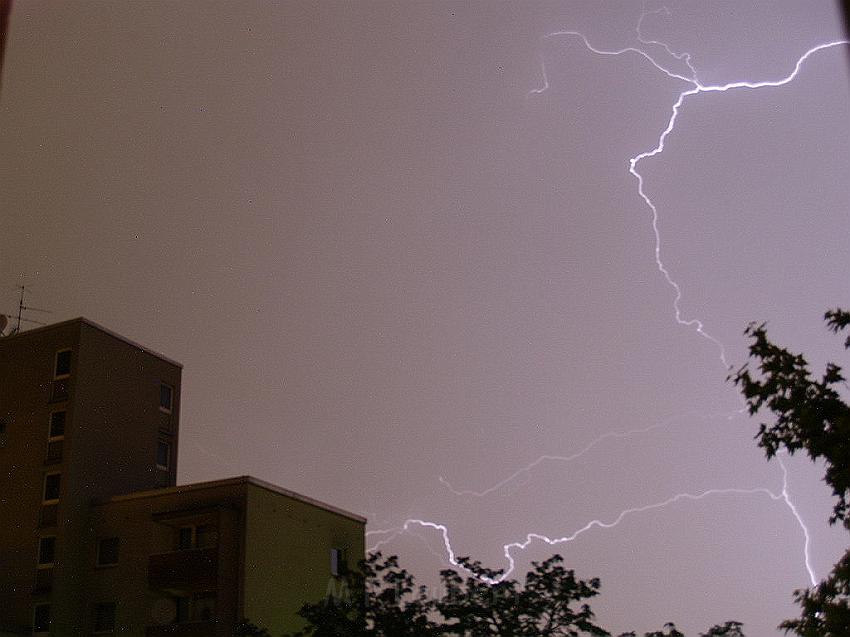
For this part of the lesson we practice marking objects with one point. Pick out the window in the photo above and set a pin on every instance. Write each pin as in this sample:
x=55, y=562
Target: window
x=185, y=538
x=166, y=397
x=41, y=619
x=107, y=551
x=62, y=368
x=203, y=607
x=57, y=425
x=200, y=607
x=163, y=455
x=104, y=617
x=338, y=563
x=183, y=609
x=197, y=537
x=52, y=486
x=46, y=551
x=3, y=424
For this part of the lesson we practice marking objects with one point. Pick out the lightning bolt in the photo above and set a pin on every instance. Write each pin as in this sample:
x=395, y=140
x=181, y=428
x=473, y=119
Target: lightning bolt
x=508, y=549
x=695, y=88
x=527, y=469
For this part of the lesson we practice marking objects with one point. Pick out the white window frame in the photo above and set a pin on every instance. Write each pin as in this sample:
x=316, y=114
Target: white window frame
x=44, y=499
x=56, y=361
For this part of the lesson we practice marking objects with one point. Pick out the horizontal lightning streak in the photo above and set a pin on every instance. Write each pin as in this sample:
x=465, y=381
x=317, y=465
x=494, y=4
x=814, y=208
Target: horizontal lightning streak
x=526, y=469
x=393, y=533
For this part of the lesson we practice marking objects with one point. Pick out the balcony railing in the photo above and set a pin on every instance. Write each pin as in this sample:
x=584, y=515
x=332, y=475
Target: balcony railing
x=184, y=571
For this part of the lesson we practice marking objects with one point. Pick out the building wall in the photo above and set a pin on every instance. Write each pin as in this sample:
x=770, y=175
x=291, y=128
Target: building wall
x=26, y=375
x=287, y=556
x=272, y=551
x=112, y=425
x=151, y=572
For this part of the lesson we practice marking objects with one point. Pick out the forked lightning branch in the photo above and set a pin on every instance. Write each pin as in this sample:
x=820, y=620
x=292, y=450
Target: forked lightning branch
x=693, y=88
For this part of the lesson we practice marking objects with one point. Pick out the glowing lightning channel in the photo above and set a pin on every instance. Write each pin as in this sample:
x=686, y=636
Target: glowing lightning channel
x=697, y=87
x=527, y=468
x=787, y=499
x=393, y=533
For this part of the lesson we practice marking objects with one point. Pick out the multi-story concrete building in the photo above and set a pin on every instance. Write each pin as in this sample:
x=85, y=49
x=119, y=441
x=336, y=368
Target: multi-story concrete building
x=95, y=535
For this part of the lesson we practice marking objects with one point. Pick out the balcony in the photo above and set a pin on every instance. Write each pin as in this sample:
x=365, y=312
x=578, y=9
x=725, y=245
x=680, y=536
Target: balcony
x=190, y=629
x=184, y=571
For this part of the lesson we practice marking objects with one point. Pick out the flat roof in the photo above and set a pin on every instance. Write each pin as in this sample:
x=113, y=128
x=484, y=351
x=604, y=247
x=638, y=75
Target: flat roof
x=228, y=482
x=84, y=321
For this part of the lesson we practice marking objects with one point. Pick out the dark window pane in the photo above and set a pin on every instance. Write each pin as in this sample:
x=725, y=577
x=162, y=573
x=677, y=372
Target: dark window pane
x=63, y=363
x=41, y=618
x=104, y=616
x=182, y=604
x=206, y=536
x=57, y=424
x=166, y=394
x=3, y=422
x=203, y=607
x=47, y=550
x=163, y=451
x=184, y=539
x=52, y=484
x=107, y=551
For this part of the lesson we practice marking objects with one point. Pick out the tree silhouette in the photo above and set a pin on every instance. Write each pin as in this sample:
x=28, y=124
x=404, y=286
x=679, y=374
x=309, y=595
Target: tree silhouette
x=381, y=599
x=808, y=414
x=551, y=603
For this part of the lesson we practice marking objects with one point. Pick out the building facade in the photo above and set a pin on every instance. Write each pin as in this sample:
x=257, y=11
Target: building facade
x=95, y=535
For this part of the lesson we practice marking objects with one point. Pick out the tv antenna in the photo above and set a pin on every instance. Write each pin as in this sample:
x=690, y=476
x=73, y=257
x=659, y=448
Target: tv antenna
x=19, y=318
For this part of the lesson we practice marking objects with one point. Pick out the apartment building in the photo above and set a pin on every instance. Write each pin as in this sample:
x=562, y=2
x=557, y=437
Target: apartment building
x=96, y=538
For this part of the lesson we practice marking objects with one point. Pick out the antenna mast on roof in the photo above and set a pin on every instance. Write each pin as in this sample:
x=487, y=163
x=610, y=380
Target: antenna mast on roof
x=19, y=317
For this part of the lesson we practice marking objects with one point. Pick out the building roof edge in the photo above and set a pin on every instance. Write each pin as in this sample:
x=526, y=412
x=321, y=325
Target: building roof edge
x=224, y=482
x=84, y=321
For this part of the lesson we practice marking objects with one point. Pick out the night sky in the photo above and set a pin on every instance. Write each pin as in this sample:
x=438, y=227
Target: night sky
x=399, y=251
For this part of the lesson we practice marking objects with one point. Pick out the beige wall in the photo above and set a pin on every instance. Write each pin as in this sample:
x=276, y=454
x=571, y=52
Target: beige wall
x=287, y=557
x=147, y=526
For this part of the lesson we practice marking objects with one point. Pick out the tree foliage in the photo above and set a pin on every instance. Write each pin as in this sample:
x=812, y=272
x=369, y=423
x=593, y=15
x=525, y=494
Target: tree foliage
x=551, y=603
x=808, y=414
x=381, y=599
